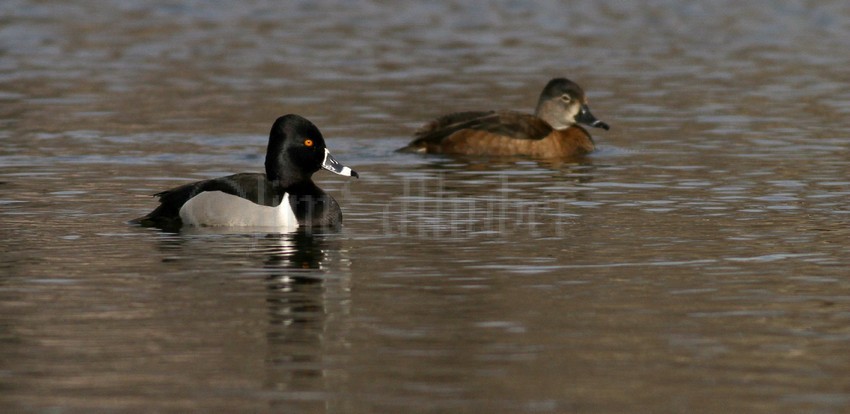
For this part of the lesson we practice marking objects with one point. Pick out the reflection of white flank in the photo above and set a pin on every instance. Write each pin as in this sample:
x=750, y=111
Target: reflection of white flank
x=216, y=208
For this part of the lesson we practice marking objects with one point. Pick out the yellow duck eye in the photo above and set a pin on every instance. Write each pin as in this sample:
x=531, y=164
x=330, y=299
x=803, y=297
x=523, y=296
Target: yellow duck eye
x=308, y=142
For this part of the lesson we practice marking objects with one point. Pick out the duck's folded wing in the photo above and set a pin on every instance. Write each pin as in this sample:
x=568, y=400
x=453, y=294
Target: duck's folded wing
x=508, y=124
x=454, y=122
x=253, y=187
x=514, y=125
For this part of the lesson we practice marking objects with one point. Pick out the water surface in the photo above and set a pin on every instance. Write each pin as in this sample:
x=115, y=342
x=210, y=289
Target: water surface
x=697, y=262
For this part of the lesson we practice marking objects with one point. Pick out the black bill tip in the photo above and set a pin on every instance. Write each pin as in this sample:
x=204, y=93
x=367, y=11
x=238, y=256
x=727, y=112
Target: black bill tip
x=585, y=117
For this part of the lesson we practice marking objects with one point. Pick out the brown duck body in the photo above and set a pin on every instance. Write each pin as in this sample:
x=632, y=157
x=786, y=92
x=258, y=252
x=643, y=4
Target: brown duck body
x=552, y=132
x=503, y=133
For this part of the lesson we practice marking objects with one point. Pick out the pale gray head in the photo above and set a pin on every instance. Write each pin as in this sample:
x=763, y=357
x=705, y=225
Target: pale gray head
x=562, y=104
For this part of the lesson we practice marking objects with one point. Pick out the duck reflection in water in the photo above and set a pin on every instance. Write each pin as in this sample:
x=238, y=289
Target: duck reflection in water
x=304, y=297
x=305, y=275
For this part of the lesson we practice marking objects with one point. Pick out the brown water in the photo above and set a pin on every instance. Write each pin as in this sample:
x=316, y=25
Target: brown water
x=698, y=262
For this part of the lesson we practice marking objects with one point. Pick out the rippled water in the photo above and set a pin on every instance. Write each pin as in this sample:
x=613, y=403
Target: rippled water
x=698, y=262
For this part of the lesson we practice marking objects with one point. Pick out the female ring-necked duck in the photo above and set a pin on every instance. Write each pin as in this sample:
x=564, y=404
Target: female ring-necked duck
x=285, y=197
x=550, y=132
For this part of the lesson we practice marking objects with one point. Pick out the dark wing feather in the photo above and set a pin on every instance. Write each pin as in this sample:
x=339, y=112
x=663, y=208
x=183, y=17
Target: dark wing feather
x=453, y=122
x=509, y=124
x=254, y=187
x=514, y=125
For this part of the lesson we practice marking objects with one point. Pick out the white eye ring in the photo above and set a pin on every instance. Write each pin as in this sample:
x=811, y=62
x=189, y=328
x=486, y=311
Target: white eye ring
x=566, y=98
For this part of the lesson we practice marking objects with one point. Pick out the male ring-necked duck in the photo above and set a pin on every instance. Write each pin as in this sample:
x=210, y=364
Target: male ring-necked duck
x=550, y=132
x=285, y=197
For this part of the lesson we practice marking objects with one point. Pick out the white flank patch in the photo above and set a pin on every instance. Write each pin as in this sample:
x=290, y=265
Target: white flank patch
x=216, y=208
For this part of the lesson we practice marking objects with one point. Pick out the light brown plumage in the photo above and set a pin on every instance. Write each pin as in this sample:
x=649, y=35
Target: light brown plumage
x=550, y=132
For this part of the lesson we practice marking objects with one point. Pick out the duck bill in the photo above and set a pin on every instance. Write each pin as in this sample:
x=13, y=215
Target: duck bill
x=334, y=166
x=585, y=117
